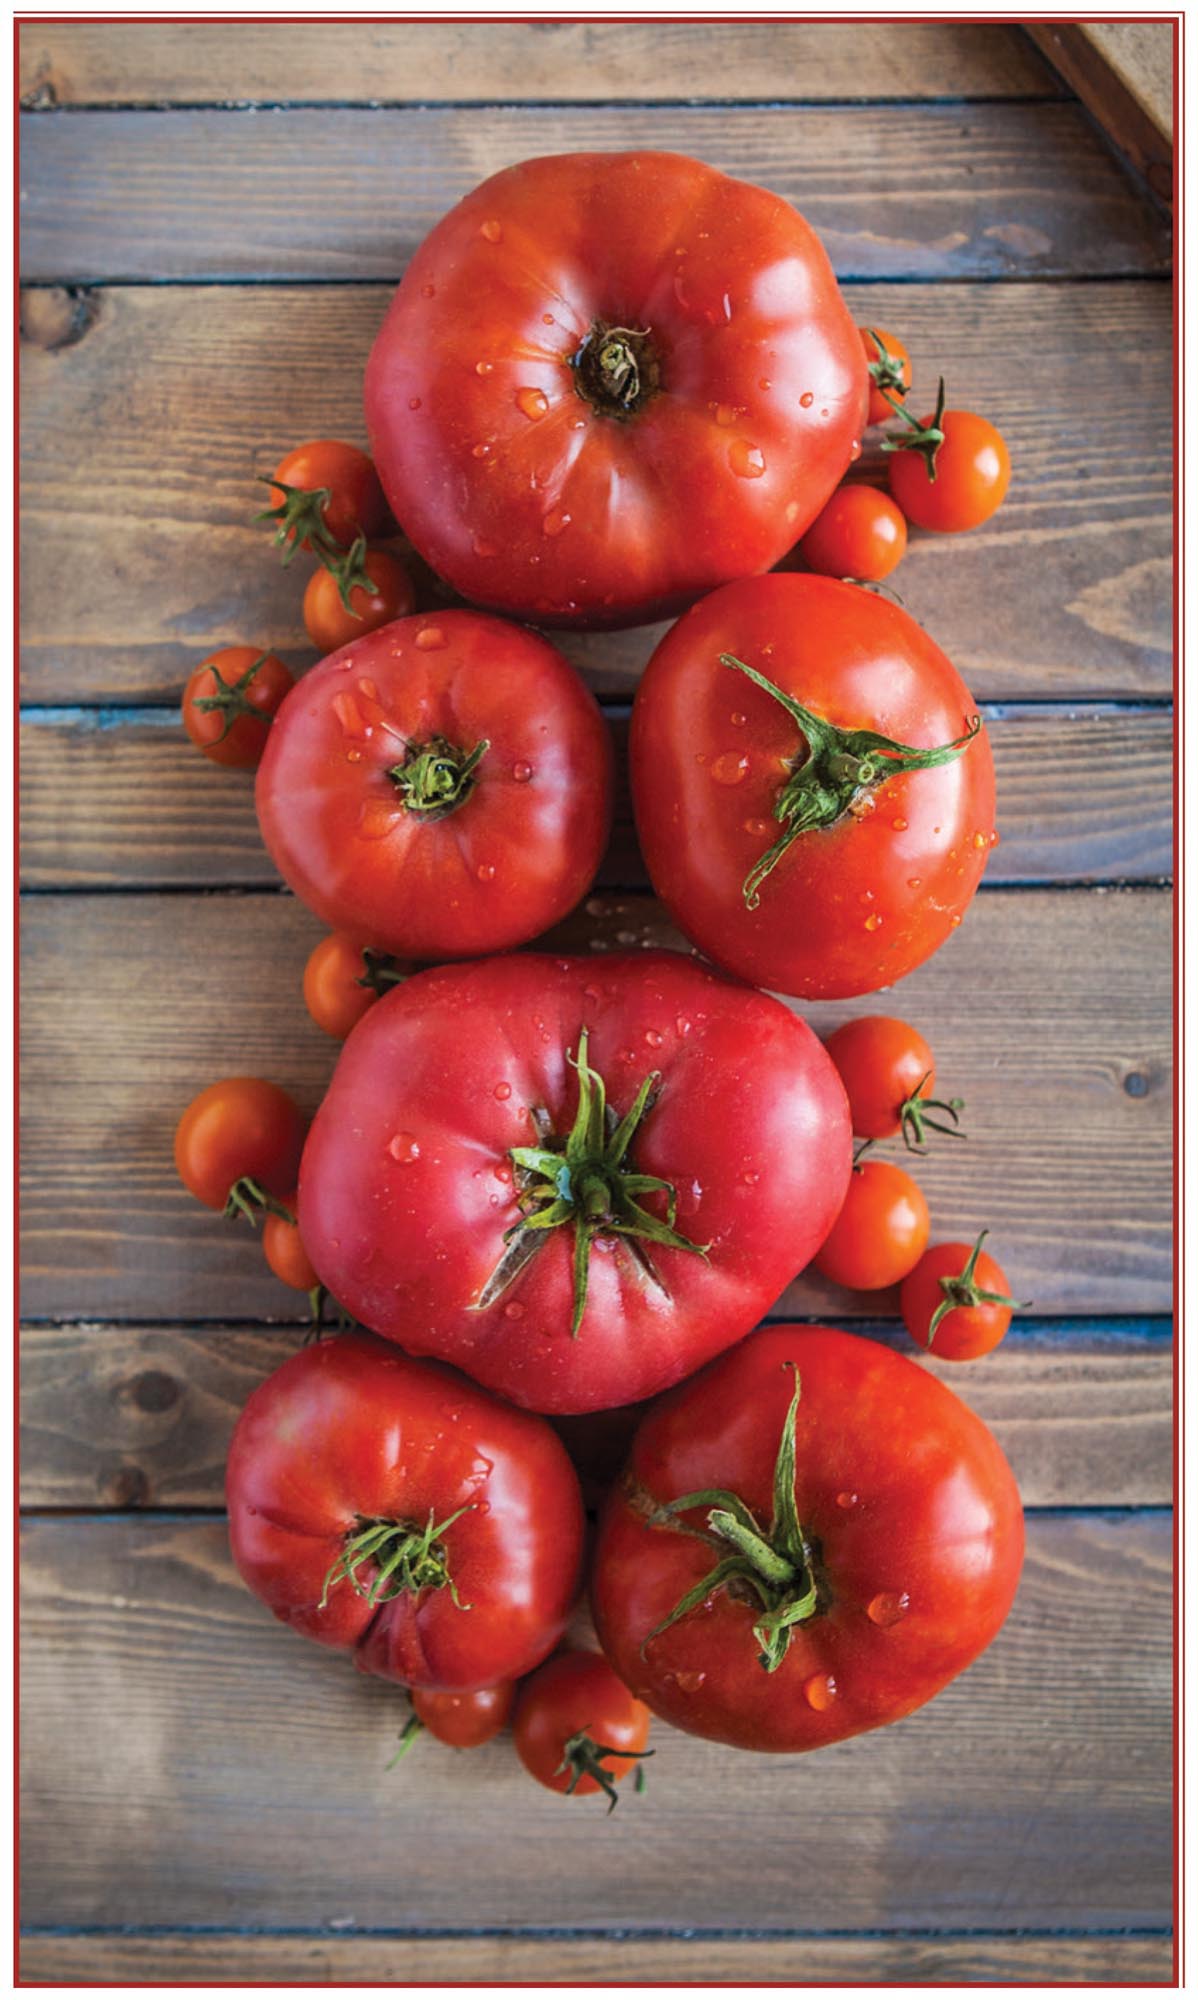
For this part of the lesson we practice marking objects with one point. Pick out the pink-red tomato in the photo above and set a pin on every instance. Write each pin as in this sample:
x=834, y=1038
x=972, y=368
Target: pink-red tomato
x=577, y=1729
x=956, y=1303
x=241, y=1129
x=859, y=534
x=230, y=702
x=880, y=1233
x=972, y=473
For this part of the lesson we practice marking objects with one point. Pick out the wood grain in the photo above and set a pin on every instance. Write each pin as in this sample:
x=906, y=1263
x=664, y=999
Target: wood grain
x=928, y=191
x=133, y=1003
x=222, y=1771
x=147, y=413
x=1123, y=71
x=115, y=800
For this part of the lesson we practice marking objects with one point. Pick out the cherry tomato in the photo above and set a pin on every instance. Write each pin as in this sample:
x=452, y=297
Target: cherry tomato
x=342, y=982
x=814, y=791
x=331, y=623
x=609, y=382
x=230, y=701
x=880, y=1233
x=811, y=1538
x=890, y=370
x=578, y=1729
x=238, y=1136
x=283, y=1248
x=956, y=1302
x=465, y=1720
x=323, y=496
x=966, y=480
x=860, y=534
x=889, y=1074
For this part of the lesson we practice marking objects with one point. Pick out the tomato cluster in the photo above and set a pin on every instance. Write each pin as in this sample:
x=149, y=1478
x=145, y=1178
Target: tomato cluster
x=615, y=387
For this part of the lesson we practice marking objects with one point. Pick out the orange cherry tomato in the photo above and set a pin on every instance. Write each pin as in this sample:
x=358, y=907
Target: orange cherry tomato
x=972, y=469
x=342, y=982
x=230, y=701
x=956, y=1301
x=240, y=1130
x=578, y=1729
x=283, y=1248
x=889, y=369
x=325, y=494
x=881, y=1232
x=889, y=1073
x=859, y=535
x=330, y=623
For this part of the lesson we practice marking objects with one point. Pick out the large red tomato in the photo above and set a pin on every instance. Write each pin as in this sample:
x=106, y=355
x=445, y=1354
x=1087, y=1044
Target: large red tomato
x=810, y=1539
x=575, y=1178
x=394, y=1509
x=814, y=793
x=440, y=787
x=610, y=381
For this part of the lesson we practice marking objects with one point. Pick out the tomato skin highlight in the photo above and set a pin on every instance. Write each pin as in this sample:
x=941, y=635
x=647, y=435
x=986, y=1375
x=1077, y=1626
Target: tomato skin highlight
x=350, y=1430
x=859, y=534
x=511, y=859
x=235, y=740
x=239, y=1128
x=881, y=1232
x=973, y=472
x=465, y=1721
x=905, y=1496
x=966, y=1332
x=356, y=504
x=577, y=1693
x=881, y=1062
x=328, y=622
x=748, y=377
x=851, y=906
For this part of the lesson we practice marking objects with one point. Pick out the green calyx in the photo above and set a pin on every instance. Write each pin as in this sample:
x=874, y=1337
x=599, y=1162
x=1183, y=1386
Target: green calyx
x=584, y=1182
x=248, y=1198
x=965, y=1291
x=774, y=1565
x=915, y=1124
x=231, y=698
x=400, y=1557
x=347, y=567
x=584, y=1758
x=615, y=368
x=299, y=518
x=435, y=778
x=887, y=370
x=382, y=971
x=836, y=772
x=412, y=1729
x=924, y=438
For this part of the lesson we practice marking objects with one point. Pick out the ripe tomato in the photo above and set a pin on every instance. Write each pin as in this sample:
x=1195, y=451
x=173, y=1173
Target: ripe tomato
x=239, y=1138
x=860, y=533
x=889, y=1074
x=794, y=833
x=334, y=616
x=810, y=1539
x=342, y=982
x=230, y=701
x=465, y=1721
x=577, y=1728
x=283, y=1249
x=467, y=1192
x=881, y=1232
x=610, y=381
x=392, y=1508
x=441, y=788
x=323, y=496
x=890, y=370
x=956, y=1301
x=956, y=477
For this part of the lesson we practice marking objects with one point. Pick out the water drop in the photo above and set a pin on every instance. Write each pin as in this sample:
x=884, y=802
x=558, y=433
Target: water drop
x=854, y=451
x=888, y=1607
x=682, y=1025
x=979, y=840
x=746, y=460
x=867, y=895
x=369, y=689
x=820, y=1691
x=727, y=305
x=995, y=837
x=480, y=451
x=554, y=522
x=915, y=881
x=737, y=720
x=690, y=1680
x=792, y=511
x=825, y=413
x=532, y=403
x=493, y=231
x=874, y=922
x=413, y=402
x=483, y=367
x=512, y=1310
x=846, y=1500
x=953, y=922
x=353, y=756
x=430, y=639
x=730, y=769
x=547, y=319
x=900, y=825
x=653, y=1038
x=503, y=1173
x=765, y=383
x=726, y=413
x=503, y=1091
x=485, y=871
x=750, y=1179
x=378, y=818
x=348, y=714
x=521, y=773
x=404, y=1147
x=759, y=827
x=806, y=400
x=428, y=291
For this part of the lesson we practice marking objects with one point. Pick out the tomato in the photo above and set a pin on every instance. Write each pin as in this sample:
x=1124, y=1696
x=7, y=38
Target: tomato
x=577, y=1728
x=342, y=982
x=793, y=831
x=465, y=1720
x=283, y=1249
x=467, y=1190
x=810, y=1539
x=239, y=1139
x=880, y=1233
x=610, y=381
x=323, y=496
x=950, y=471
x=956, y=1301
x=439, y=789
x=230, y=702
x=889, y=1073
x=338, y=610
x=860, y=533
x=890, y=371
x=391, y=1508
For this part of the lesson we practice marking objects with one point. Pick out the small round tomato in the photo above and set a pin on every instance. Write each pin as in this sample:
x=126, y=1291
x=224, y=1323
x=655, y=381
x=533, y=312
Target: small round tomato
x=860, y=534
x=239, y=1138
x=283, y=1248
x=339, y=606
x=230, y=702
x=951, y=471
x=889, y=370
x=889, y=1073
x=577, y=1727
x=464, y=1720
x=323, y=496
x=881, y=1232
x=342, y=982
x=956, y=1302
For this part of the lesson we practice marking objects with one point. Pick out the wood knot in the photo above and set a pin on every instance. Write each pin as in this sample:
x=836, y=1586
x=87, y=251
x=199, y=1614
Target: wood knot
x=155, y=1391
x=55, y=316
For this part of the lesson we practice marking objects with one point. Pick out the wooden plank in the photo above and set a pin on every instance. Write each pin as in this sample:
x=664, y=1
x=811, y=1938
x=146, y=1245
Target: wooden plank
x=221, y=1771
x=927, y=191
x=142, y=1416
x=147, y=414
x=1123, y=71
x=695, y=1960
x=133, y=1003
x=120, y=798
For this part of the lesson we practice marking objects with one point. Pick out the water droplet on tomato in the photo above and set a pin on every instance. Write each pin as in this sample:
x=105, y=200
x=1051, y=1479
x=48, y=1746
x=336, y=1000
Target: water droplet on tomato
x=348, y=714
x=480, y=451
x=413, y=402
x=888, y=1607
x=900, y=825
x=726, y=413
x=765, y=383
x=737, y=719
x=980, y=840
x=653, y=1038
x=532, y=403
x=750, y=1179
x=503, y=1173
x=483, y=367
x=353, y=755
x=485, y=871
x=690, y=1680
x=503, y=1091
x=554, y=522
x=953, y=922
x=867, y=895
x=731, y=768
x=820, y=1691
x=759, y=827
x=404, y=1148
x=806, y=400
x=746, y=460
x=369, y=689
x=547, y=319
x=846, y=1500
x=854, y=451
x=682, y=1025
x=512, y=1310
x=378, y=818
x=521, y=773
x=428, y=291
x=874, y=922
x=493, y=231
x=995, y=837
x=430, y=639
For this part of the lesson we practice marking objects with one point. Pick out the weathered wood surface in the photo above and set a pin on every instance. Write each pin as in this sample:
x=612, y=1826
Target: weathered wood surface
x=189, y=1761
x=699, y=1959
x=141, y=1416
x=110, y=801
x=148, y=412
x=1123, y=71
x=134, y=1003
x=927, y=191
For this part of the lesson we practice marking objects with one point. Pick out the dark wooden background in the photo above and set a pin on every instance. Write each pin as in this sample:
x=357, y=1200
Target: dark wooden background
x=213, y=215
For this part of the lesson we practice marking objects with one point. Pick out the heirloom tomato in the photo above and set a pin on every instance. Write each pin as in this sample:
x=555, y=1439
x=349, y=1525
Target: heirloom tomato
x=575, y=1178
x=814, y=792
x=810, y=1539
x=439, y=788
x=610, y=381
x=577, y=1729
x=394, y=1509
